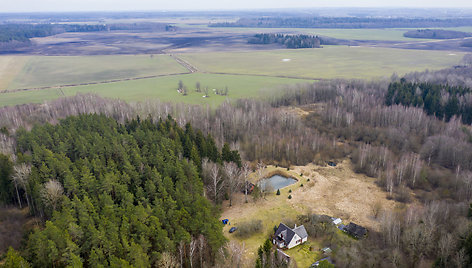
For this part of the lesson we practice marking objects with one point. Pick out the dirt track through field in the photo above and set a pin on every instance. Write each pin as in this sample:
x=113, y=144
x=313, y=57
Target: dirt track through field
x=92, y=83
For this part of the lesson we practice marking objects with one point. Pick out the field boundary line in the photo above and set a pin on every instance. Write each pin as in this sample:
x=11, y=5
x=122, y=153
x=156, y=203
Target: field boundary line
x=90, y=83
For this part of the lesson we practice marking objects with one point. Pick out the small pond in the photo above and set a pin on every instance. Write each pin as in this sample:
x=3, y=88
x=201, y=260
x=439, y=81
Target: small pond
x=276, y=182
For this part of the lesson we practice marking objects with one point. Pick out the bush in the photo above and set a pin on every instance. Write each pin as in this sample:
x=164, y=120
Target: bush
x=289, y=196
x=278, y=192
x=290, y=190
x=248, y=228
x=301, y=185
x=307, y=179
x=403, y=194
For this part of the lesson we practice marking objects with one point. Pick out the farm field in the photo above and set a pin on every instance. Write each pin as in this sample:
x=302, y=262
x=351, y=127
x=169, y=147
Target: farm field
x=10, y=66
x=327, y=62
x=162, y=88
x=388, y=34
x=348, y=34
x=41, y=71
x=334, y=191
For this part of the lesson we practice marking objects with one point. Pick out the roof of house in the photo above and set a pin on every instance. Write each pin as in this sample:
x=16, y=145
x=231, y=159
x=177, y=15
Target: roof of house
x=355, y=230
x=301, y=231
x=288, y=233
x=285, y=231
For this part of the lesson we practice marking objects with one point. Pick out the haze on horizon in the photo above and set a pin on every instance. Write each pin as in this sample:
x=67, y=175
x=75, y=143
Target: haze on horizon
x=153, y=5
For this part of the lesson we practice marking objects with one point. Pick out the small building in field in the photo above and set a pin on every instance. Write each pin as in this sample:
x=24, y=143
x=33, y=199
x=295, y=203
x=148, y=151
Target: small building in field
x=355, y=230
x=286, y=237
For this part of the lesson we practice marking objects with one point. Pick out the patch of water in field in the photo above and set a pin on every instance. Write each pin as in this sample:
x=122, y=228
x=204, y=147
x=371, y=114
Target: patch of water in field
x=276, y=182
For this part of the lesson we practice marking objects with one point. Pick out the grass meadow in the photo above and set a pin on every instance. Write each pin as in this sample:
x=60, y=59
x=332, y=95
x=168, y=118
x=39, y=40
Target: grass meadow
x=41, y=71
x=246, y=74
x=162, y=88
x=327, y=62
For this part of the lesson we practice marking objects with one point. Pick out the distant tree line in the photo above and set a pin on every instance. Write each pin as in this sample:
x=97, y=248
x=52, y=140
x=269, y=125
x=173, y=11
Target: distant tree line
x=23, y=32
x=442, y=101
x=290, y=41
x=141, y=26
x=344, y=22
x=436, y=34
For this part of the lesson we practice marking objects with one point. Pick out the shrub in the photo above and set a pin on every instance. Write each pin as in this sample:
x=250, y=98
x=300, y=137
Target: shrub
x=307, y=179
x=290, y=190
x=248, y=228
x=301, y=185
x=290, y=196
x=278, y=192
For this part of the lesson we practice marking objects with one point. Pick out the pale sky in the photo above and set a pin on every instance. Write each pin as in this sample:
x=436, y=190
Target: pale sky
x=150, y=5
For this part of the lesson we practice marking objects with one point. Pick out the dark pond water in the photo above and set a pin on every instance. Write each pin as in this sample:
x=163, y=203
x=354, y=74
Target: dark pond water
x=276, y=182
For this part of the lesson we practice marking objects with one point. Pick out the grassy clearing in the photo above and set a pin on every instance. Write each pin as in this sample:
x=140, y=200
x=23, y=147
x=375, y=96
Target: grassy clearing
x=327, y=62
x=303, y=255
x=40, y=71
x=162, y=88
x=335, y=191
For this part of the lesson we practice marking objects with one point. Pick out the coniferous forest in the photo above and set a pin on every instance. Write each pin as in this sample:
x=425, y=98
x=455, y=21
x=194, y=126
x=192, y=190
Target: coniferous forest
x=442, y=101
x=289, y=41
x=114, y=194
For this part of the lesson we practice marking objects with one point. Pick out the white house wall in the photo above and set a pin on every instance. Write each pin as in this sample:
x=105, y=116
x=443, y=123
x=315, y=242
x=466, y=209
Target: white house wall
x=293, y=243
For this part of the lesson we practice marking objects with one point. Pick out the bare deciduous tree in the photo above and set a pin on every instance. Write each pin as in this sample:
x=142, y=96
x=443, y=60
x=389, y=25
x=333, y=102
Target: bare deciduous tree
x=215, y=180
x=167, y=260
x=233, y=181
x=181, y=249
x=20, y=179
x=191, y=250
x=52, y=193
x=245, y=171
x=201, y=248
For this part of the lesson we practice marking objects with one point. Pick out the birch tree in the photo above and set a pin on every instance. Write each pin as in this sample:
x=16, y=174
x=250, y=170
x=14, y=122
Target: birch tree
x=233, y=175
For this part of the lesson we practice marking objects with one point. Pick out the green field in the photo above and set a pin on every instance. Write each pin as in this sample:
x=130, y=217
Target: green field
x=390, y=34
x=41, y=71
x=162, y=88
x=327, y=62
x=364, y=34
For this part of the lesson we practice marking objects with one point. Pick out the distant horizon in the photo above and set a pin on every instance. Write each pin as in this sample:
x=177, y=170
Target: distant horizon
x=238, y=9
x=34, y=6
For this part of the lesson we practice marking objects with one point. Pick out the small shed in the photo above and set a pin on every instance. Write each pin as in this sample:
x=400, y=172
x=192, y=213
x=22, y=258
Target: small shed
x=336, y=221
x=355, y=230
x=326, y=250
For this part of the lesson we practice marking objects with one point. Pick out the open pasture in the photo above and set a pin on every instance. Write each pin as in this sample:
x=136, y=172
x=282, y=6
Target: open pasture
x=42, y=71
x=162, y=88
x=327, y=62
